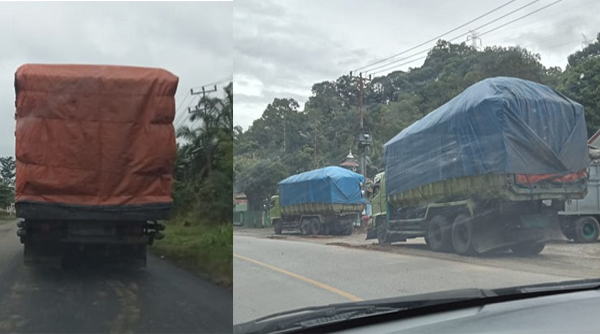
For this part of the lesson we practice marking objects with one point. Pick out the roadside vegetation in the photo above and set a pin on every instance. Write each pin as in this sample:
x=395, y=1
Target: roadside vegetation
x=287, y=139
x=200, y=236
x=7, y=186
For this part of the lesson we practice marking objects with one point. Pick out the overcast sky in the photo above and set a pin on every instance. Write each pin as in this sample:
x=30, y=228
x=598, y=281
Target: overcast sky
x=193, y=40
x=281, y=48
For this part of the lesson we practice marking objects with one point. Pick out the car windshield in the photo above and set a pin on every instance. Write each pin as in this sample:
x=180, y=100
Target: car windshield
x=472, y=124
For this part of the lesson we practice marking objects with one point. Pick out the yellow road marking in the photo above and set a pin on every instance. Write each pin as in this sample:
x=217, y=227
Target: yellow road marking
x=302, y=278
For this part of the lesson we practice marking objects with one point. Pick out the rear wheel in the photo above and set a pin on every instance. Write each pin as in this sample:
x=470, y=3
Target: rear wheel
x=462, y=235
x=587, y=229
x=314, y=226
x=439, y=234
x=528, y=249
x=347, y=230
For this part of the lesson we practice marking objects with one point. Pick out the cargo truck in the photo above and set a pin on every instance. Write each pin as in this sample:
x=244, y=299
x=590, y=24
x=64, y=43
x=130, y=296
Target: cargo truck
x=579, y=219
x=322, y=201
x=488, y=170
x=95, y=148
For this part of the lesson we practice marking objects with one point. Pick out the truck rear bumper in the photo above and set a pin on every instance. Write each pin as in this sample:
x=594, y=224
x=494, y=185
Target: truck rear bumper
x=58, y=211
x=91, y=240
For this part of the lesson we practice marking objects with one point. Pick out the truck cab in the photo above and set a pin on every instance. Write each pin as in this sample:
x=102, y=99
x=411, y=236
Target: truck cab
x=275, y=214
x=378, y=202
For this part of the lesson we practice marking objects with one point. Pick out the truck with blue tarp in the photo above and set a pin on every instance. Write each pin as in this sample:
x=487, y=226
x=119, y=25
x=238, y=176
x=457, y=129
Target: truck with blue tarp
x=488, y=170
x=321, y=201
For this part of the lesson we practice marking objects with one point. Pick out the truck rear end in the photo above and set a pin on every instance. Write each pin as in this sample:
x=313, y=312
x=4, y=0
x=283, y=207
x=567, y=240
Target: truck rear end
x=95, y=148
x=322, y=201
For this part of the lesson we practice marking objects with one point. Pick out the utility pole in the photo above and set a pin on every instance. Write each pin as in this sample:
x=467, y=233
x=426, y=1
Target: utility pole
x=203, y=92
x=364, y=139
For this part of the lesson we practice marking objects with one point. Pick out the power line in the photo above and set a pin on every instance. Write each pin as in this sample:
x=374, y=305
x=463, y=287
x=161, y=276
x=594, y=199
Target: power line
x=229, y=78
x=180, y=115
x=399, y=65
x=186, y=113
x=459, y=36
x=435, y=38
x=517, y=19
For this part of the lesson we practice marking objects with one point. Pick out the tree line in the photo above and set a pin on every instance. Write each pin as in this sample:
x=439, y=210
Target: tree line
x=286, y=140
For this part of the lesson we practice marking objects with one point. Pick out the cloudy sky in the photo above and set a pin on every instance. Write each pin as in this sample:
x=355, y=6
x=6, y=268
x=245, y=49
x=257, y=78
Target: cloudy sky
x=282, y=47
x=192, y=40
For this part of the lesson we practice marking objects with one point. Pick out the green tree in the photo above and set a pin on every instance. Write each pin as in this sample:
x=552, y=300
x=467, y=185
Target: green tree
x=259, y=183
x=7, y=181
x=203, y=180
x=589, y=52
x=582, y=84
x=8, y=169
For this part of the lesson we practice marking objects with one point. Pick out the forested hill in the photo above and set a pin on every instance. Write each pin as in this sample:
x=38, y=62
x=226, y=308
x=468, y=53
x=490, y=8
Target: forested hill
x=283, y=141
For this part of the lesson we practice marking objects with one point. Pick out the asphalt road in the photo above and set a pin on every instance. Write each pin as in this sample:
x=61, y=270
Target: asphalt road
x=158, y=299
x=274, y=275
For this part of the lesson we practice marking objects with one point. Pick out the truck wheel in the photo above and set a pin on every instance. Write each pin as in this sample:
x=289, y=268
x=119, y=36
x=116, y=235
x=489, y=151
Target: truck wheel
x=277, y=227
x=528, y=249
x=314, y=227
x=304, y=227
x=382, y=235
x=348, y=230
x=462, y=235
x=439, y=234
x=587, y=229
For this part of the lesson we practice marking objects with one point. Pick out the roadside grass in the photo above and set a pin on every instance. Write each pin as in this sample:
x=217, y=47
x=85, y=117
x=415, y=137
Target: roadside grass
x=203, y=248
x=6, y=217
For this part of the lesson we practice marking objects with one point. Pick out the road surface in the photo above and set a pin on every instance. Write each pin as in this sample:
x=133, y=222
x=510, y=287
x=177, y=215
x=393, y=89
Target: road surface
x=158, y=299
x=274, y=275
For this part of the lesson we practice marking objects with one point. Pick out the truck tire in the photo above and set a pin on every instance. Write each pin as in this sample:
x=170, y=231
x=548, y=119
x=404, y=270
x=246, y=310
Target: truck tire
x=528, y=248
x=587, y=229
x=277, y=226
x=439, y=234
x=462, y=235
x=304, y=227
x=314, y=227
x=348, y=230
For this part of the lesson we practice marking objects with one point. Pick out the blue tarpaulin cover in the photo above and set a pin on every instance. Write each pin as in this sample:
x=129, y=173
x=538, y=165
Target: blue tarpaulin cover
x=327, y=185
x=498, y=125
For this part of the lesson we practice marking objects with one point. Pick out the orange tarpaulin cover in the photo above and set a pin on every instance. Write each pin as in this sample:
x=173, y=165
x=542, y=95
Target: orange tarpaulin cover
x=530, y=180
x=94, y=135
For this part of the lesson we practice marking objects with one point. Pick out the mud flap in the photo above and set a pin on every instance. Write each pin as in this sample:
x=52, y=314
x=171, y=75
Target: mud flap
x=488, y=236
x=504, y=231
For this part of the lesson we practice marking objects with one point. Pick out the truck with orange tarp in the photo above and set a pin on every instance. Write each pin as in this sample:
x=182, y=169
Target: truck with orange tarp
x=95, y=148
